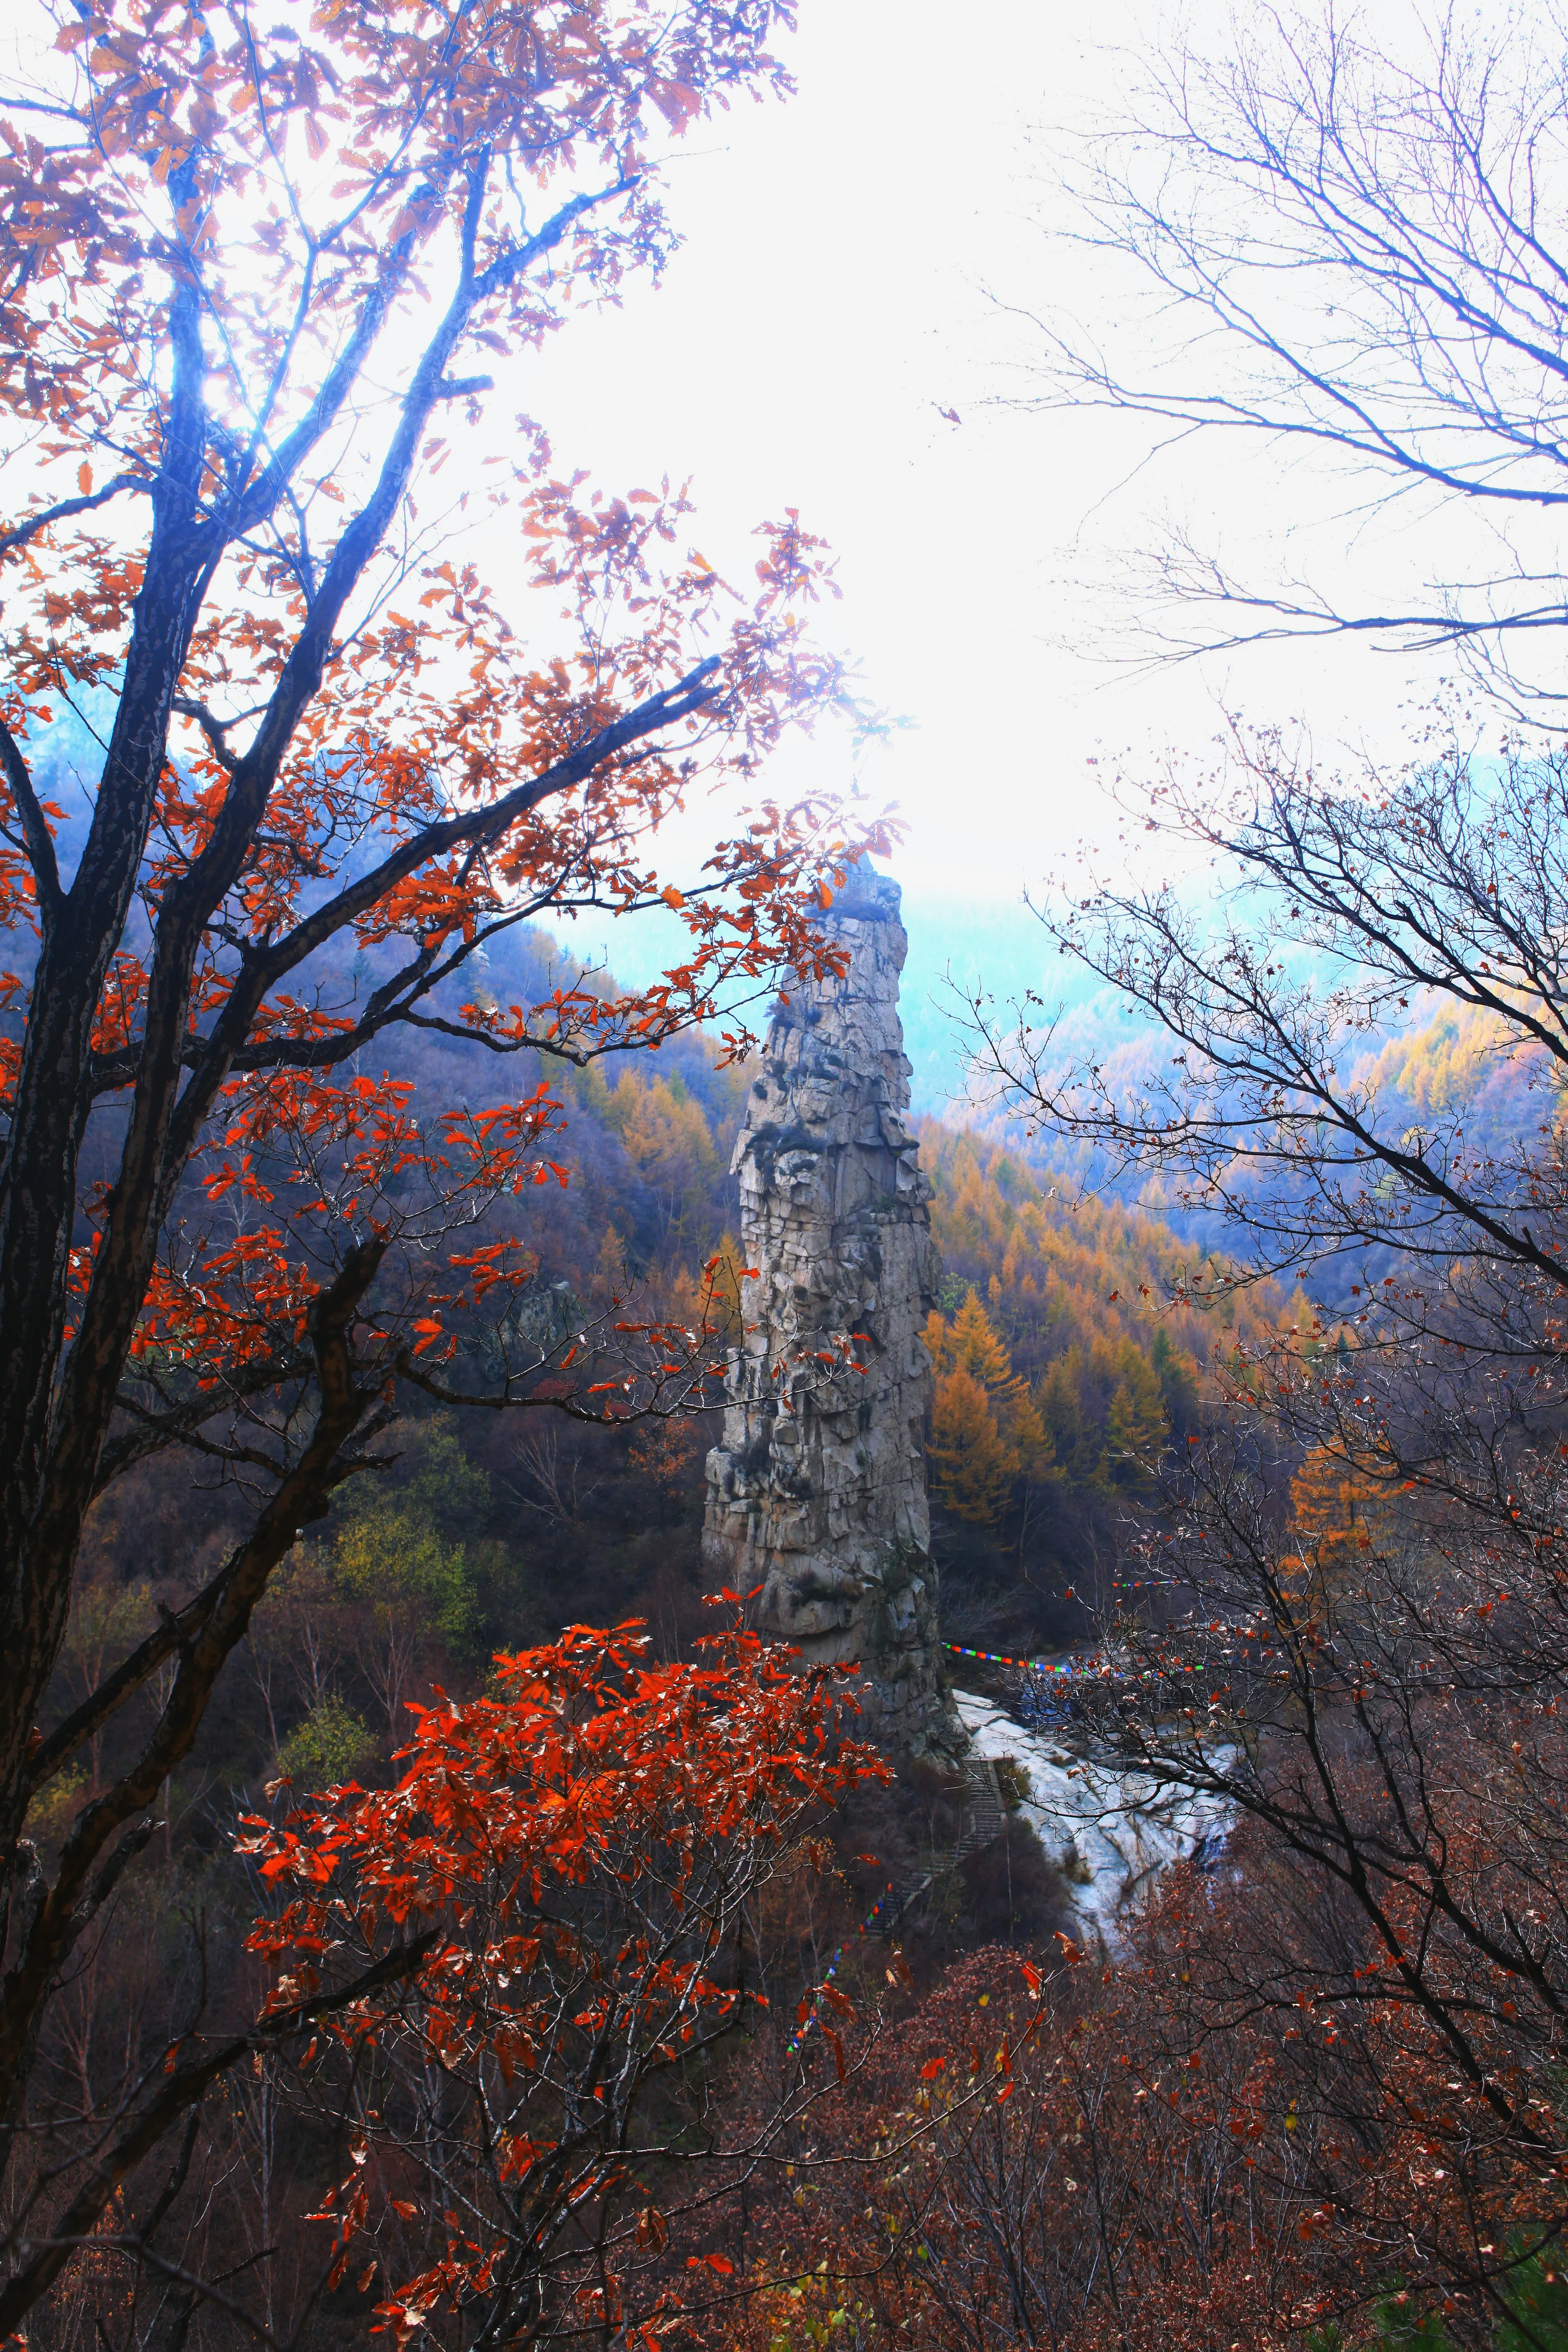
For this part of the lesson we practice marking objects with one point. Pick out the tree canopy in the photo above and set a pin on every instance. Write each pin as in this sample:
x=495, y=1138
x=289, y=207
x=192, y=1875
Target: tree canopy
x=255, y=283
x=1340, y=235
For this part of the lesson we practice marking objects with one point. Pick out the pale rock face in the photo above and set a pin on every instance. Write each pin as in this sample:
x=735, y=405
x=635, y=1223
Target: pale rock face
x=822, y=1501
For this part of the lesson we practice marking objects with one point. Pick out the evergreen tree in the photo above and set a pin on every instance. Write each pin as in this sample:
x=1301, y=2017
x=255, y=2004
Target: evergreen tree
x=972, y=1344
x=1136, y=1425
x=971, y=1464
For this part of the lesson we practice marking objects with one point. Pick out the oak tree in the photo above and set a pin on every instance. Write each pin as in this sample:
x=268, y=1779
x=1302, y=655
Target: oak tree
x=258, y=284
x=579, y=1860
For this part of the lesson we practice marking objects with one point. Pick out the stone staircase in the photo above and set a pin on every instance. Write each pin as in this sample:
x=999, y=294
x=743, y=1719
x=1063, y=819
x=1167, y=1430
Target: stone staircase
x=983, y=1813
x=983, y=1816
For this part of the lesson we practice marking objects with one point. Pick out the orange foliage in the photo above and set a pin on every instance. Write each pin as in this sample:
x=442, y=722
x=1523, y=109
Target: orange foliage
x=1085, y=1324
x=986, y=1431
x=1337, y=1509
x=568, y=1862
x=253, y=280
x=404, y=756
x=971, y=1462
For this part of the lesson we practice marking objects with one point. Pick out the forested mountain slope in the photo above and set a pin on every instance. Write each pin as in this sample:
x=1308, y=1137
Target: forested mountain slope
x=1061, y=1373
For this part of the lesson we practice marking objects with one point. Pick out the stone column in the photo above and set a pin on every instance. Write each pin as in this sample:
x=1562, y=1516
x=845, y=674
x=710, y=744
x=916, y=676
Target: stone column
x=818, y=1491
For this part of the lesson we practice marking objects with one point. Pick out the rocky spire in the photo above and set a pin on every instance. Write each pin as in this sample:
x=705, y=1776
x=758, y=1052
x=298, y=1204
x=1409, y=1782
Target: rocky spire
x=819, y=1496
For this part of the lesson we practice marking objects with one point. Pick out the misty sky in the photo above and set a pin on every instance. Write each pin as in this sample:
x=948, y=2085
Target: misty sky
x=858, y=262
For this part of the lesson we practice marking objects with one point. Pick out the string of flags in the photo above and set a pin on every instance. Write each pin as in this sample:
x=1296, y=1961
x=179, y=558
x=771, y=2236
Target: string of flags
x=1098, y=1668
x=866, y=1924
x=1030, y=1665
x=1094, y=1664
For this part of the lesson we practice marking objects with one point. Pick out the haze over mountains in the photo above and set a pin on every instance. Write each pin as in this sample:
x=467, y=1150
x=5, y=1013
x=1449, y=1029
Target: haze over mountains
x=960, y=941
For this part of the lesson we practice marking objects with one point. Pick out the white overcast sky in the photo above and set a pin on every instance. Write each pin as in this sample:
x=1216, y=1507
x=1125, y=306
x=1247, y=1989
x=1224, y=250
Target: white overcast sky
x=848, y=262
x=854, y=265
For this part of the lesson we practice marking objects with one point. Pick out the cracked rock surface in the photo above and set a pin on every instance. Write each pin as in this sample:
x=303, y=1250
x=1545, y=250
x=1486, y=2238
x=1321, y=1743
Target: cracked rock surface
x=818, y=1491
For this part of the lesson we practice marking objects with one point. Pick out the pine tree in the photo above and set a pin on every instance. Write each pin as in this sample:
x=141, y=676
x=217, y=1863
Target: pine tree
x=972, y=1464
x=1340, y=1517
x=1062, y=1397
x=1177, y=1374
x=971, y=1344
x=977, y=1349
x=667, y=1139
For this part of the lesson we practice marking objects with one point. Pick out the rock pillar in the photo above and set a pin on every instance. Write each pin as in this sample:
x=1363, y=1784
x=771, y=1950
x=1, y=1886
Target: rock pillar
x=818, y=1491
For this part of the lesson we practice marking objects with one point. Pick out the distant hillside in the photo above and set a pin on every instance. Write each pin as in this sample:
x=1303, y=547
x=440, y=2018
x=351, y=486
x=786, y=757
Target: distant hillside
x=1065, y=1375
x=1460, y=1061
x=1446, y=1068
x=1057, y=1270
